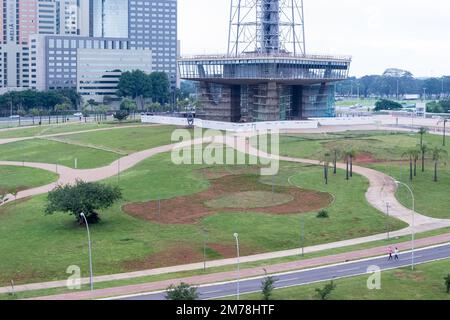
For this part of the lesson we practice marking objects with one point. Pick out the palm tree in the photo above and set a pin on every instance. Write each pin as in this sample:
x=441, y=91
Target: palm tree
x=422, y=132
x=416, y=154
x=336, y=154
x=438, y=155
x=423, y=150
x=413, y=155
x=349, y=155
x=325, y=160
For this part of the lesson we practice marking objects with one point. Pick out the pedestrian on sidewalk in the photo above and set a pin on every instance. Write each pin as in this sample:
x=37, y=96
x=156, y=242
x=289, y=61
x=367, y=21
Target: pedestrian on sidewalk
x=396, y=252
x=390, y=251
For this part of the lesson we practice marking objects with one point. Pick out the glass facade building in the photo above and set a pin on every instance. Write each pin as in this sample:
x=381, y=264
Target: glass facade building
x=109, y=18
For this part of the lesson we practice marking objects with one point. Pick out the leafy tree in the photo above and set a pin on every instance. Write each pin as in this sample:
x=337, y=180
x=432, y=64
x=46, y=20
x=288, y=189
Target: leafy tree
x=438, y=155
x=324, y=293
x=160, y=87
x=121, y=115
x=82, y=197
x=267, y=286
x=135, y=84
x=128, y=106
x=183, y=292
x=384, y=104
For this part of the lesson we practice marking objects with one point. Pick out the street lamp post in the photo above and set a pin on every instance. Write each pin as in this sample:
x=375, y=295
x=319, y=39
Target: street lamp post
x=90, y=251
x=302, y=235
x=236, y=236
x=387, y=219
x=205, y=240
x=412, y=225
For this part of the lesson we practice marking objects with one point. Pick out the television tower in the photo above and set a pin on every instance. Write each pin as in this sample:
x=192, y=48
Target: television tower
x=266, y=74
x=266, y=27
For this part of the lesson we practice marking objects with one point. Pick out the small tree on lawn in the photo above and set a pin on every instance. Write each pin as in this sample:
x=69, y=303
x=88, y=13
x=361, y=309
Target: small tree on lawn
x=324, y=293
x=183, y=292
x=447, y=282
x=82, y=197
x=267, y=286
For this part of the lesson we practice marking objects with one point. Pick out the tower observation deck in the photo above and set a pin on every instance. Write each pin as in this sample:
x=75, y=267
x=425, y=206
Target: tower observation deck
x=266, y=74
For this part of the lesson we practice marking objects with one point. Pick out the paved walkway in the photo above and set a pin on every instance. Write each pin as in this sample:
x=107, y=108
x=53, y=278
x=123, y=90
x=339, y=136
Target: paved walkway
x=382, y=188
x=244, y=273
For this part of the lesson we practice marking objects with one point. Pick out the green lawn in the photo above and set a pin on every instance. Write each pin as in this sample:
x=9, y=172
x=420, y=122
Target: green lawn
x=45, y=151
x=122, y=243
x=127, y=140
x=425, y=283
x=352, y=102
x=50, y=129
x=432, y=198
x=22, y=178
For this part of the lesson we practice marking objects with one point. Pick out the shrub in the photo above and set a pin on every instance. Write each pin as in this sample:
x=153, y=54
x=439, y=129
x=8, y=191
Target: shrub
x=182, y=292
x=324, y=293
x=322, y=214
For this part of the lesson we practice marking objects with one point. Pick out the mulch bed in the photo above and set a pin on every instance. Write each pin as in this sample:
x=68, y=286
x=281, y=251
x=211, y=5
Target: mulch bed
x=191, y=209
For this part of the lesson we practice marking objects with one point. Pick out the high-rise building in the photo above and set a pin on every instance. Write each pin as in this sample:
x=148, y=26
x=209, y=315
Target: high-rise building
x=153, y=25
x=20, y=20
x=92, y=65
x=149, y=24
x=108, y=18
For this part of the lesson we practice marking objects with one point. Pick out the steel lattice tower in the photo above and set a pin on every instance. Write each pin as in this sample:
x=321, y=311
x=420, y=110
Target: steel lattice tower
x=266, y=27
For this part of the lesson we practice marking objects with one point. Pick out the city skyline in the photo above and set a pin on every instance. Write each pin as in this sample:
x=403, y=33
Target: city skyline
x=379, y=35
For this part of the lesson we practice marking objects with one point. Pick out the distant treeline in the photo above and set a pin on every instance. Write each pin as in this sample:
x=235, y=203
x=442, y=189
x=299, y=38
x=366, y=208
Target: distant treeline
x=389, y=86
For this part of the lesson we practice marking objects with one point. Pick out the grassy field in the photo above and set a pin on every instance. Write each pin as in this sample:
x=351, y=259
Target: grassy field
x=425, y=283
x=352, y=102
x=123, y=243
x=50, y=129
x=384, y=152
x=46, y=151
x=127, y=140
x=92, y=150
x=22, y=178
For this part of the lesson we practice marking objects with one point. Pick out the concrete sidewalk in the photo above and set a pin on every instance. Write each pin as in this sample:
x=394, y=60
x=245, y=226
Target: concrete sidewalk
x=246, y=273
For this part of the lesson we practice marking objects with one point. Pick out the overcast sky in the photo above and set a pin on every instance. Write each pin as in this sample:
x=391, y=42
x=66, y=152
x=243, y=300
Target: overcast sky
x=378, y=34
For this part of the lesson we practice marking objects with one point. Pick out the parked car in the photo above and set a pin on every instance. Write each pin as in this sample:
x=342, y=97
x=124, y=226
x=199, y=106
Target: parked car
x=78, y=114
x=14, y=116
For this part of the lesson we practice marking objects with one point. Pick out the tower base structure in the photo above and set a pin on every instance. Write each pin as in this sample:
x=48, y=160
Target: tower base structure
x=265, y=88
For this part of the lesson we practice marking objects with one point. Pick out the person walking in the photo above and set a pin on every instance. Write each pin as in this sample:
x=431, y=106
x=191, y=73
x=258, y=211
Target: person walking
x=390, y=251
x=396, y=252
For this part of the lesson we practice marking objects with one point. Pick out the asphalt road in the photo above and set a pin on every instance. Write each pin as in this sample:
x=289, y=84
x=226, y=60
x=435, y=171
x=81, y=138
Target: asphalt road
x=311, y=275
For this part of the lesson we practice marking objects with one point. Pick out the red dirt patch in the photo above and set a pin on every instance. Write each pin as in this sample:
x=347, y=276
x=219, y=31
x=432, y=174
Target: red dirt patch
x=176, y=254
x=190, y=209
x=183, y=253
x=366, y=158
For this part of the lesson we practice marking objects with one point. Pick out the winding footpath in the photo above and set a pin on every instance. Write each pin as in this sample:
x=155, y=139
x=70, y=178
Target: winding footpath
x=381, y=190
